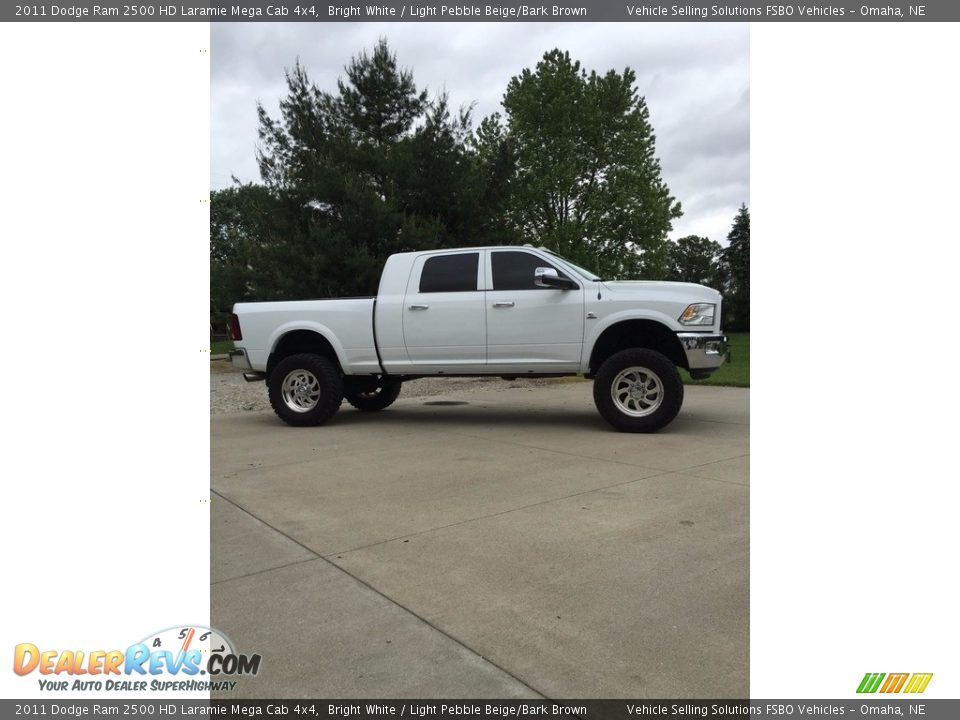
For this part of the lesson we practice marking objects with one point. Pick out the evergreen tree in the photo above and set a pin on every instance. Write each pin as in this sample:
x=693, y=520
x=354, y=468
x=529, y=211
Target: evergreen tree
x=379, y=101
x=373, y=169
x=736, y=270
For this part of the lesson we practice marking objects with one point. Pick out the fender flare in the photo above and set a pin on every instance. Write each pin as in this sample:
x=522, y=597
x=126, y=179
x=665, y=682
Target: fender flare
x=596, y=331
x=322, y=330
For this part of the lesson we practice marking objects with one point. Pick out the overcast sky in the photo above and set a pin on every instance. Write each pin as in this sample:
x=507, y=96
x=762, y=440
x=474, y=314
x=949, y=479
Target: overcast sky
x=695, y=77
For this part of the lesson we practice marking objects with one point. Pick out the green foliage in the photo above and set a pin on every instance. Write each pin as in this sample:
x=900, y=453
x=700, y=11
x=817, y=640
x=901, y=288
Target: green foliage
x=585, y=180
x=736, y=273
x=242, y=222
x=379, y=102
x=695, y=259
x=374, y=169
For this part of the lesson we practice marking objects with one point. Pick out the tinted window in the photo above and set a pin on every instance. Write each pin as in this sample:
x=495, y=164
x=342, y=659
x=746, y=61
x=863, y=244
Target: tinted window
x=514, y=270
x=450, y=273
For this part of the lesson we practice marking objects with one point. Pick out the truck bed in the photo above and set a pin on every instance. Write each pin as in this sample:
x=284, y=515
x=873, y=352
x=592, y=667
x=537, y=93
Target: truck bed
x=347, y=322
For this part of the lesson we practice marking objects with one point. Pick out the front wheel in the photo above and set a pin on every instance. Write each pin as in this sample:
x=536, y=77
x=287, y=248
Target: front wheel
x=305, y=389
x=638, y=390
x=371, y=394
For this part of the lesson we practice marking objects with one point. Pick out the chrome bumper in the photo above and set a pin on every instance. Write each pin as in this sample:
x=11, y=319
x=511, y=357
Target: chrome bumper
x=705, y=353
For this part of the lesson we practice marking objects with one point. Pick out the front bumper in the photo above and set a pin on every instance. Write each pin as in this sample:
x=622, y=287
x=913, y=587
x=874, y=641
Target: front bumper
x=705, y=353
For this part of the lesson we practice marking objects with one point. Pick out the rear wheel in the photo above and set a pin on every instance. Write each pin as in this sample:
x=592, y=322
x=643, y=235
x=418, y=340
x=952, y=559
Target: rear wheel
x=638, y=390
x=305, y=389
x=371, y=394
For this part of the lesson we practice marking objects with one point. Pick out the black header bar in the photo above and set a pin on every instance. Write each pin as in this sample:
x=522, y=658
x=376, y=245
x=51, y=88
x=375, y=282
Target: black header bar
x=490, y=11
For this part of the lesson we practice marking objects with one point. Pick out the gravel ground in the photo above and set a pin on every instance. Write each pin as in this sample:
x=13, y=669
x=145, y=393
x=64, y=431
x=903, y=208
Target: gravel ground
x=230, y=393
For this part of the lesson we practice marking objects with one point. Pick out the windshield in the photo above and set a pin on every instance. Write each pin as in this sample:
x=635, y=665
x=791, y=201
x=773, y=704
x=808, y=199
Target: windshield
x=593, y=277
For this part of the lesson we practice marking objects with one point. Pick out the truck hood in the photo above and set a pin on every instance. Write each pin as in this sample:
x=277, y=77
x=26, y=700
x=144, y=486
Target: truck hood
x=659, y=288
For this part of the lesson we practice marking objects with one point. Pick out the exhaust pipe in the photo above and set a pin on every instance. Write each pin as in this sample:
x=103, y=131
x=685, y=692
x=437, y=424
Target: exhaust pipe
x=254, y=376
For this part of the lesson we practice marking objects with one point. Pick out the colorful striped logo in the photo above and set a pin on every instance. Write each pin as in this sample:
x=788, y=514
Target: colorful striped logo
x=894, y=682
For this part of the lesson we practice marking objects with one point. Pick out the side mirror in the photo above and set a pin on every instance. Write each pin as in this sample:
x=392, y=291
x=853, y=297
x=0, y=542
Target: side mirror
x=549, y=278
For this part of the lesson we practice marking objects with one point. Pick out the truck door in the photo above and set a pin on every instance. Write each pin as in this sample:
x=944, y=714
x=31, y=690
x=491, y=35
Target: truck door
x=444, y=327
x=531, y=328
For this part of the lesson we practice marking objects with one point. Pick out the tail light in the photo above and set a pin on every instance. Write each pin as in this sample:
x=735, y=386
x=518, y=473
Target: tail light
x=234, y=326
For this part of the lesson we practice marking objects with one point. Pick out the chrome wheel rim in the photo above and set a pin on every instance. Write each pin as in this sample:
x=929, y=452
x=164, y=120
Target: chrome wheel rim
x=301, y=391
x=637, y=391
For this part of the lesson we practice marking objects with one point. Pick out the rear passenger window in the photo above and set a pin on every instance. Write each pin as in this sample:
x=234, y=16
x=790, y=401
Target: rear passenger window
x=514, y=269
x=450, y=273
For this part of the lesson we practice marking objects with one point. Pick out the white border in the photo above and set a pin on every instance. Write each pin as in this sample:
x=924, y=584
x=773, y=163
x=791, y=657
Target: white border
x=104, y=290
x=853, y=517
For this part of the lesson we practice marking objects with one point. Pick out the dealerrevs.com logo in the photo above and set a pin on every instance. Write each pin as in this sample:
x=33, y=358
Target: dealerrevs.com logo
x=182, y=658
x=894, y=682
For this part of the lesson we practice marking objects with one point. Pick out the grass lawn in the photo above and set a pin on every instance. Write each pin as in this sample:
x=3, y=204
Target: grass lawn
x=736, y=372
x=224, y=346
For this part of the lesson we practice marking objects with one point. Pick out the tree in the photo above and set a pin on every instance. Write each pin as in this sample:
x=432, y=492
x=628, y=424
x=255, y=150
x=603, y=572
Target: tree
x=373, y=169
x=584, y=180
x=736, y=271
x=379, y=102
x=695, y=259
x=240, y=230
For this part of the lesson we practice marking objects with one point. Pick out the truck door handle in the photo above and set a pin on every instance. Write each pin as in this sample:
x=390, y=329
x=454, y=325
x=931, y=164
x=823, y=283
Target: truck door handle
x=508, y=303
x=419, y=307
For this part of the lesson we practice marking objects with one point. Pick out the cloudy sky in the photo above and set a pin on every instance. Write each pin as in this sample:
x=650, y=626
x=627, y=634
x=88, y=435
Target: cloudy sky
x=695, y=77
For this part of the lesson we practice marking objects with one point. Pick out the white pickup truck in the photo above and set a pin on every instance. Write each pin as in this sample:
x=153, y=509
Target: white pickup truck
x=502, y=311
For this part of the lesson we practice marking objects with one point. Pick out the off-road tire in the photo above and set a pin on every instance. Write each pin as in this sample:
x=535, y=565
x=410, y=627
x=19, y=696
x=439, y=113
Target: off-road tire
x=371, y=396
x=649, y=386
x=305, y=389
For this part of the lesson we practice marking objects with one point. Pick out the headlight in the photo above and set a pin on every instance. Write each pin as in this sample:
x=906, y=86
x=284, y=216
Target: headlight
x=698, y=314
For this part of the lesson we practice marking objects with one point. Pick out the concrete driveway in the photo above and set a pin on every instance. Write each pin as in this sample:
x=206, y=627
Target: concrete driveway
x=509, y=545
